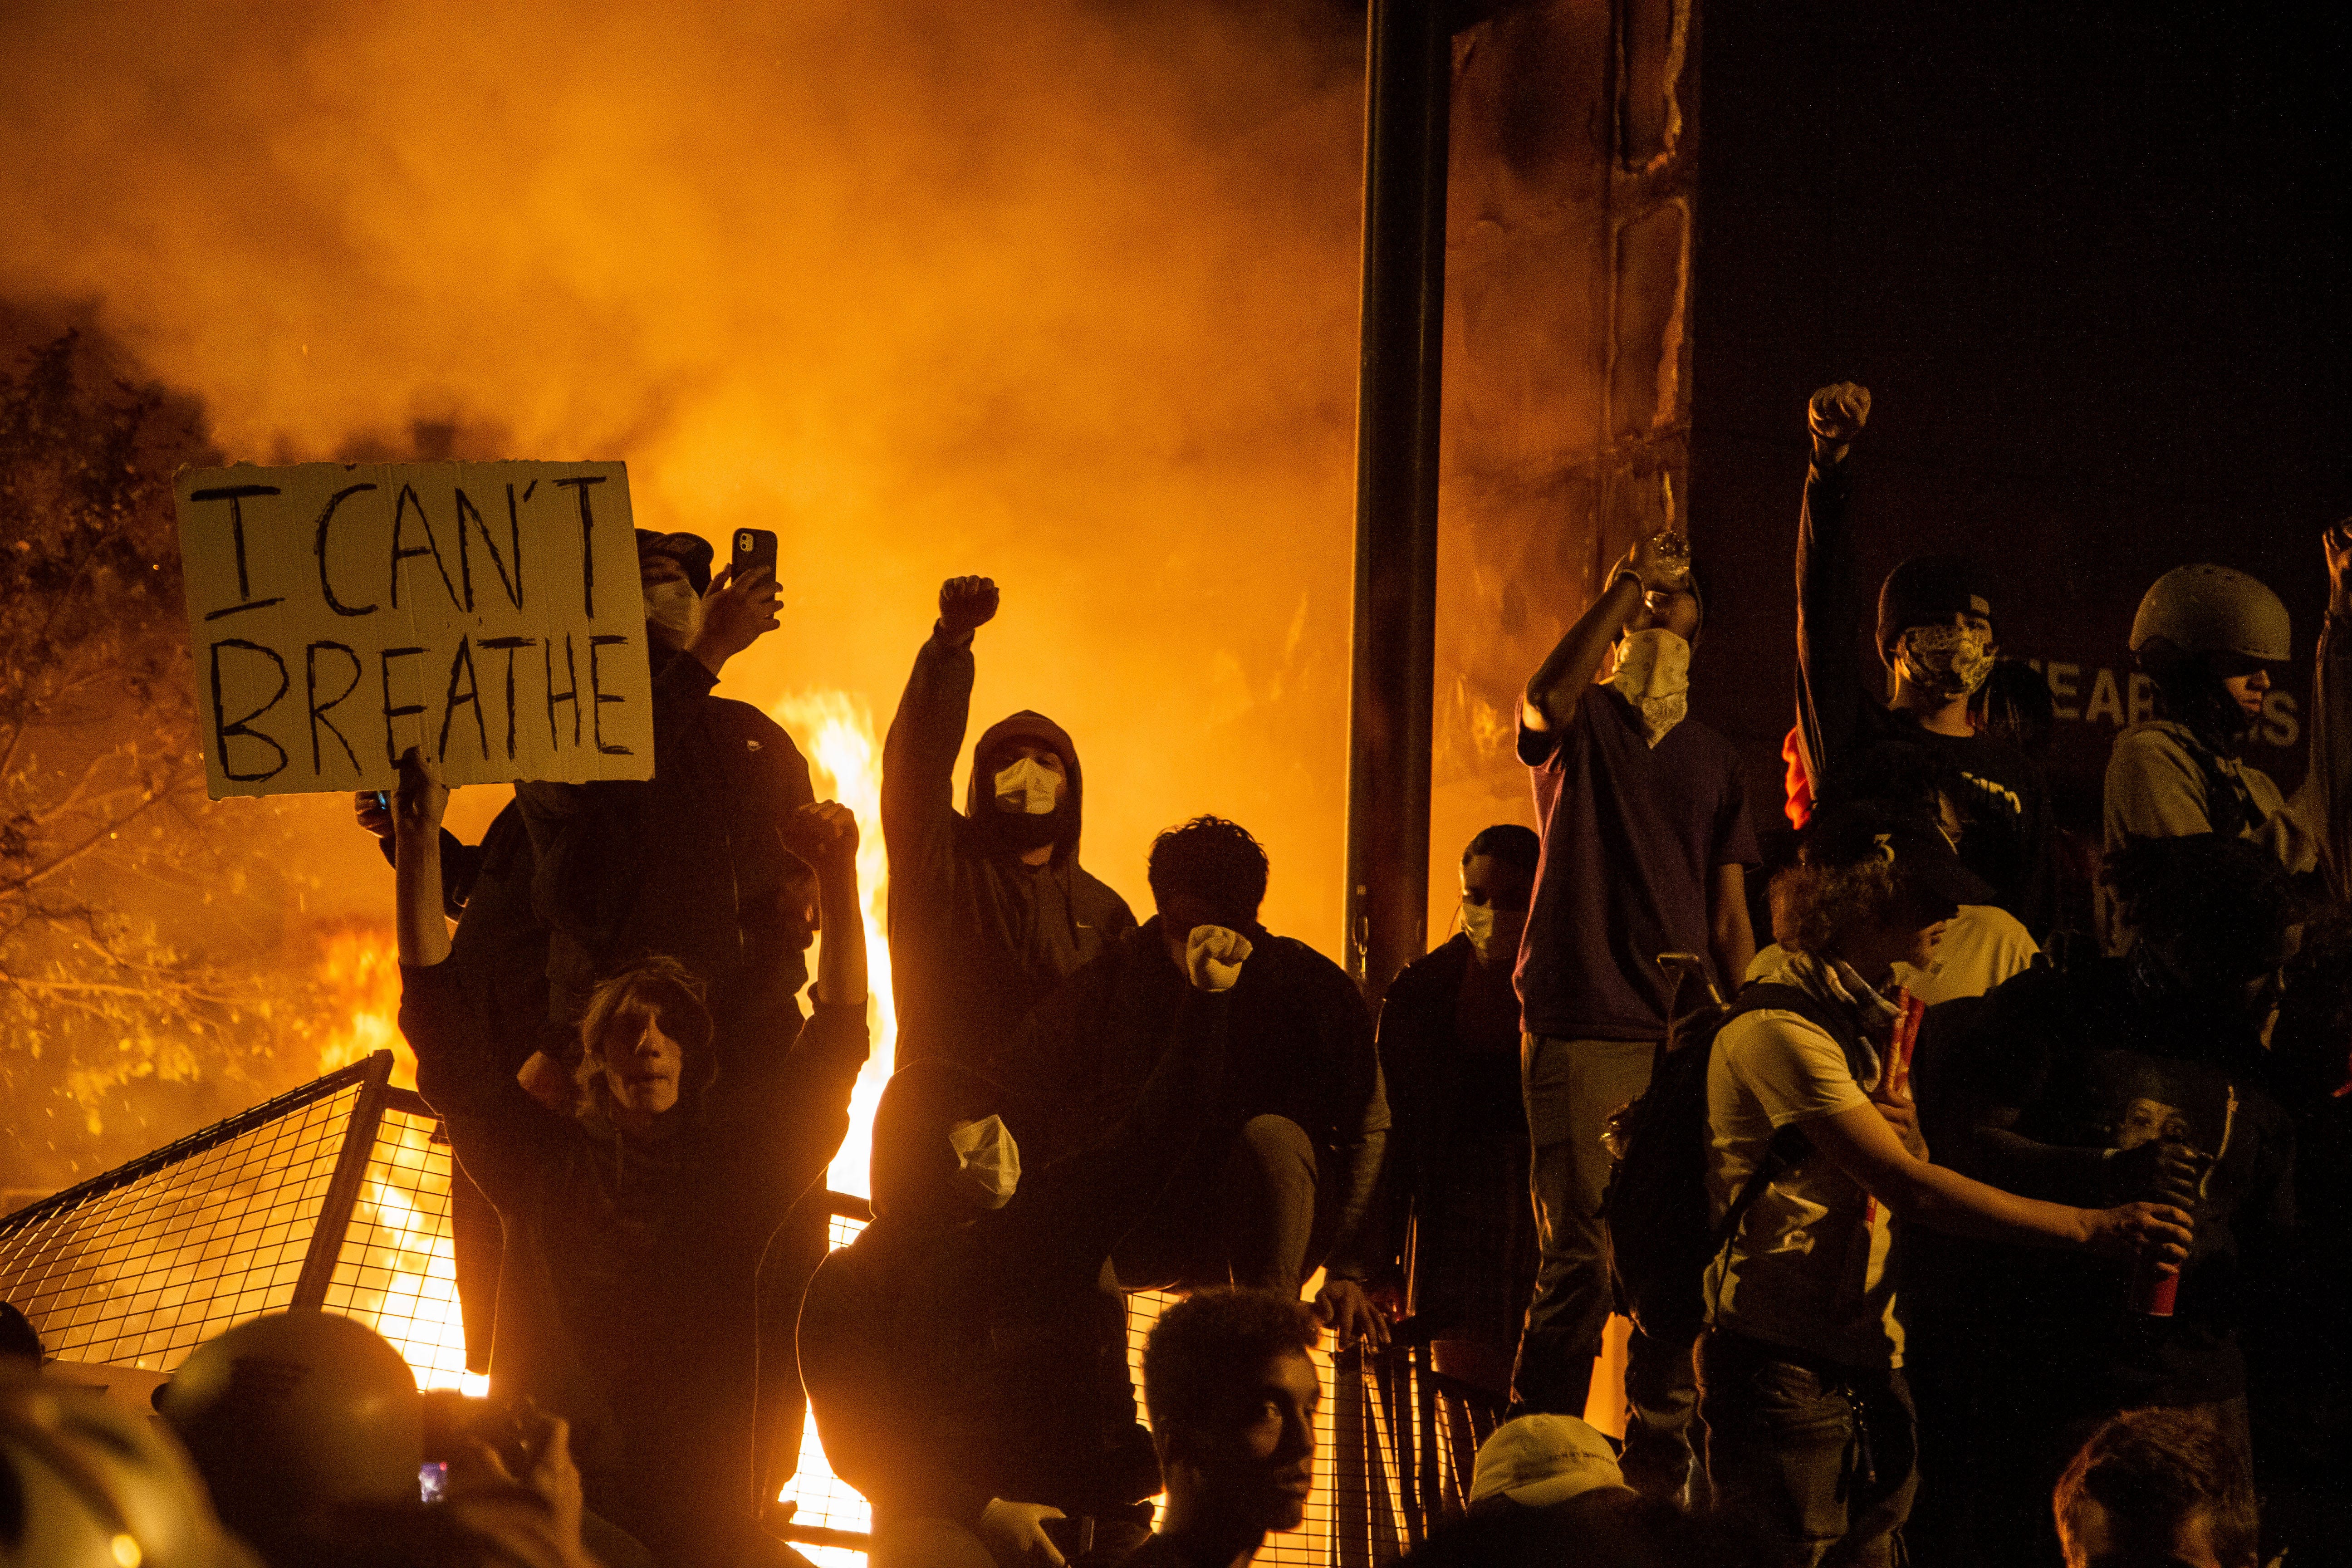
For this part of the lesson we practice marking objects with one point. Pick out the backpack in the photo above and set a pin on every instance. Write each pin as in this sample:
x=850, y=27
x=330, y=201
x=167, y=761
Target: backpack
x=1655, y=1207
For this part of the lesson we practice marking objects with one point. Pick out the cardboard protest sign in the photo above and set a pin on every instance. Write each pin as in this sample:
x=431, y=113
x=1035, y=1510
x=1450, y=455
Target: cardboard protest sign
x=488, y=612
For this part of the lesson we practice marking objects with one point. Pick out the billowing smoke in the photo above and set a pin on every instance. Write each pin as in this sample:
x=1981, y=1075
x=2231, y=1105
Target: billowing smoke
x=1058, y=291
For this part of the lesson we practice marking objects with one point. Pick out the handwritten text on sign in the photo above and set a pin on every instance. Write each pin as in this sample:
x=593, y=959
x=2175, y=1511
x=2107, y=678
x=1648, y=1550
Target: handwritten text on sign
x=488, y=612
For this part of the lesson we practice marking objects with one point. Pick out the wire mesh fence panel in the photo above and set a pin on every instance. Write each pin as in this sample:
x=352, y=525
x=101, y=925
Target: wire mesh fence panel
x=397, y=1270
x=138, y=1266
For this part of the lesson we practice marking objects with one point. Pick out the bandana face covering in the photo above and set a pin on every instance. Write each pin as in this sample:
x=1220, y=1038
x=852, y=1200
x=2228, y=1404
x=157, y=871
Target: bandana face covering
x=1949, y=660
x=1025, y=787
x=988, y=1162
x=1492, y=933
x=1654, y=675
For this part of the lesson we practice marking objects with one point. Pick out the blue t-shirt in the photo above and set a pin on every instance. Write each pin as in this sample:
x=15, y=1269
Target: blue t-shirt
x=1632, y=838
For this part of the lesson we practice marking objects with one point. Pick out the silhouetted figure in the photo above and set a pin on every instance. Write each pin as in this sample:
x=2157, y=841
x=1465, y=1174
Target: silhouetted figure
x=1282, y=1181
x=2124, y=1079
x=1938, y=634
x=967, y=1366
x=990, y=909
x=1458, y=1152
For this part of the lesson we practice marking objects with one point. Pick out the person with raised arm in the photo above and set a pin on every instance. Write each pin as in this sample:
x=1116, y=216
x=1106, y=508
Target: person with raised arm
x=637, y=1200
x=1647, y=843
x=990, y=909
x=1937, y=635
x=967, y=1365
x=1814, y=1150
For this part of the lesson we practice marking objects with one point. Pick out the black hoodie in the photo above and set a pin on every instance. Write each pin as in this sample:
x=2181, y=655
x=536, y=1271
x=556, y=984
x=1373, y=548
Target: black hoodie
x=977, y=936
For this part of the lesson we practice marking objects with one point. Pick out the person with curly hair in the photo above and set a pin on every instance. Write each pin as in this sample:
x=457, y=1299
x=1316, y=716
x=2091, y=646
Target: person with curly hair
x=1814, y=1150
x=1233, y=1395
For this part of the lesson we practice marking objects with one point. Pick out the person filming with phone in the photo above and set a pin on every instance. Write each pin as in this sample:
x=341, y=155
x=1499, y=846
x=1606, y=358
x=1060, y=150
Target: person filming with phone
x=693, y=863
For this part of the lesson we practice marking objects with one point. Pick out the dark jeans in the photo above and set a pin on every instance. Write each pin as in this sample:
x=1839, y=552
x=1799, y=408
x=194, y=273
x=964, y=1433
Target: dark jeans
x=1819, y=1461
x=1246, y=1208
x=1571, y=1088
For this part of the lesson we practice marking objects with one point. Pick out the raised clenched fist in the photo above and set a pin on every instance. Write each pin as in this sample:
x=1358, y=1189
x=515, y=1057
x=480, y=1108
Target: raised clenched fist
x=1661, y=562
x=966, y=604
x=1837, y=413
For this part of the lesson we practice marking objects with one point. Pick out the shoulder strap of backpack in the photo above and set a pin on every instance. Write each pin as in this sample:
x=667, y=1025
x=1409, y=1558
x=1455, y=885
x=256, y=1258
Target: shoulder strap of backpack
x=1789, y=1145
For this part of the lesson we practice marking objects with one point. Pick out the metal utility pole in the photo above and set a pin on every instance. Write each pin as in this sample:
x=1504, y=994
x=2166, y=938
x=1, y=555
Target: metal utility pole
x=1408, y=102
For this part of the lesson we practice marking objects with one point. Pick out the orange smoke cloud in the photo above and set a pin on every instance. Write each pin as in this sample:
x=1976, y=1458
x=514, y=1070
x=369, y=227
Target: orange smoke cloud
x=1060, y=293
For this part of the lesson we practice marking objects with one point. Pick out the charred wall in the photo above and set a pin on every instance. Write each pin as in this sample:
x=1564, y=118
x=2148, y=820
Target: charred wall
x=1567, y=358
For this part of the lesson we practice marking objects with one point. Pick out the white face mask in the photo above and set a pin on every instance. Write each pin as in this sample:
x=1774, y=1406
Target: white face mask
x=1949, y=660
x=675, y=607
x=1654, y=675
x=1493, y=932
x=988, y=1162
x=1027, y=785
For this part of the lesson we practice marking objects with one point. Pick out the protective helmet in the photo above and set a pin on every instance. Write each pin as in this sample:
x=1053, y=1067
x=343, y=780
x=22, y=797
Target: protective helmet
x=2212, y=609
x=94, y=1484
x=296, y=1411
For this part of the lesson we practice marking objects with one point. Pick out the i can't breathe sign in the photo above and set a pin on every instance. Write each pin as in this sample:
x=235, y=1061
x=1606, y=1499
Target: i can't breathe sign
x=488, y=613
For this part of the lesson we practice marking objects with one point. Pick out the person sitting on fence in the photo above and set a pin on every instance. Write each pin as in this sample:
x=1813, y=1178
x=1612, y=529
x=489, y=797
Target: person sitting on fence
x=1234, y=1396
x=635, y=1219
x=967, y=1368
x=1282, y=1181
x=309, y=1432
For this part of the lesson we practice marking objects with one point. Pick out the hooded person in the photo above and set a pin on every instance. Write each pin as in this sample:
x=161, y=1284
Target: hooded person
x=990, y=909
x=1939, y=638
x=2212, y=639
x=637, y=1197
x=968, y=1371
x=692, y=863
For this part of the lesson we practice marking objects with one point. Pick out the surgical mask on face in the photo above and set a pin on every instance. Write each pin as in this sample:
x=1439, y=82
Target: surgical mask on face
x=1026, y=786
x=673, y=607
x=1493, y=933
x=1949, y=660
x=1654, y=675
x=988, y=1162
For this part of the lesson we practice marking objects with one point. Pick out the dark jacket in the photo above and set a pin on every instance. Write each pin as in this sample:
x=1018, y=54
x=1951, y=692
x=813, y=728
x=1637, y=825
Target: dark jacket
x=690, y=862
x=948, y=1365
x=2092, y=1059
x=1457, y=1154
x=626, y=1302
x=1840, y=718
x=1302, y=1047
x=977, y=937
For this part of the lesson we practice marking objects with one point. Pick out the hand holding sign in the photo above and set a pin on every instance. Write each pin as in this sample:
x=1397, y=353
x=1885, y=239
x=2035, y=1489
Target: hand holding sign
x=487, y=614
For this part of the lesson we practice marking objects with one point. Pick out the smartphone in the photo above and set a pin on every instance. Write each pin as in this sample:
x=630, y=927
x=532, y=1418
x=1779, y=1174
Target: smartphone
x=754, y=548
x=384, y=799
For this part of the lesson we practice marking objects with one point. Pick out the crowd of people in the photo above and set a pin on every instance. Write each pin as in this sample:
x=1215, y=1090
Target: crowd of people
x=1965, y=1220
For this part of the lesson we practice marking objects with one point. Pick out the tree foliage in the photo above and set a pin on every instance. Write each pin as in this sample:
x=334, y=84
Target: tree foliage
x=127, y=927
